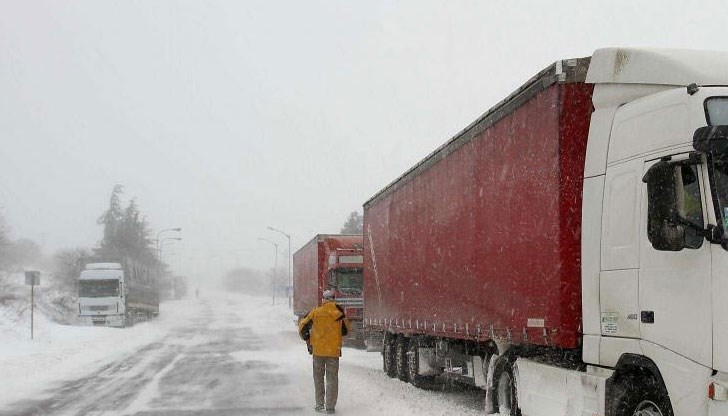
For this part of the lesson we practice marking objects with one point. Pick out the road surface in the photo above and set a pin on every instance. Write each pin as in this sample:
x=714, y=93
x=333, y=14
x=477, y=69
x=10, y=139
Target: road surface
x=235, y=355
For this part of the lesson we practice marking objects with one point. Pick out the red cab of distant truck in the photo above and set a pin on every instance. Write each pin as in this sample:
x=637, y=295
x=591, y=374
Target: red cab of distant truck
x=334, y=262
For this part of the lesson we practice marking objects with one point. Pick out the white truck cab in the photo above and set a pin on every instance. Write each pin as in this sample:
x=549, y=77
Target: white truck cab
x=101, y=290
x=654, y=246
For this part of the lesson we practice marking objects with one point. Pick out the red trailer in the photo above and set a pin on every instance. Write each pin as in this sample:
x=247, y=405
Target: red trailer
x=330, y=262
x=477, y=247
x=497, y=209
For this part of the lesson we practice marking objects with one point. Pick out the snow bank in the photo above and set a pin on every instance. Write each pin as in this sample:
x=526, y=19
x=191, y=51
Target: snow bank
x=52, y=302
x=30, y=368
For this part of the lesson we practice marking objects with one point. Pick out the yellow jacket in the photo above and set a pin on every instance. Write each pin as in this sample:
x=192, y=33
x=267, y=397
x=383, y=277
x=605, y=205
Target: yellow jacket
x=326, y=324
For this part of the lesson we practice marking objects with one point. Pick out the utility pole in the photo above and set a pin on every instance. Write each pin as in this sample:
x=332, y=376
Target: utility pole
x=290, y=263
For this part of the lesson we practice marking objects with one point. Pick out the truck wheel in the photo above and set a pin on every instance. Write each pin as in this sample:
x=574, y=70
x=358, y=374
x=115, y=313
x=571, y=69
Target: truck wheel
x=506, y=397
x=641, y=396
x=389, y=365
x=401, y=358
x=413, y=364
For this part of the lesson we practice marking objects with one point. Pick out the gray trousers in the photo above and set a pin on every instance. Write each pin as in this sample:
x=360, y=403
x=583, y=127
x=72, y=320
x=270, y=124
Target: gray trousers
x=329, y=367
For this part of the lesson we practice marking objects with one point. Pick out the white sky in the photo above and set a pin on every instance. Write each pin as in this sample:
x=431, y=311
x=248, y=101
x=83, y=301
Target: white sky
x=224, y=117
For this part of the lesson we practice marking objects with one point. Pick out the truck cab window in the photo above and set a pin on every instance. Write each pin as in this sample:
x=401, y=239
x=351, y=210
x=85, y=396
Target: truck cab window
x=690, y=206
x=675, y=208
x=716, y=110
x=719, y=176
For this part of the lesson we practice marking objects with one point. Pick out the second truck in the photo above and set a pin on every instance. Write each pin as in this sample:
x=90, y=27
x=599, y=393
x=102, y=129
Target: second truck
x=331, y=261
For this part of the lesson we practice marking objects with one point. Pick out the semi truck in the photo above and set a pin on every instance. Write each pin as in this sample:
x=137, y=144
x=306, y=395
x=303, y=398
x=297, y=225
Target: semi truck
x=117, y=293
x=567, y=251
x=331, y=261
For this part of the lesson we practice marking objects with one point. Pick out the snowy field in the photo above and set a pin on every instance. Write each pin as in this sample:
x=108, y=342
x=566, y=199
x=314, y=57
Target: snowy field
x=223, y=354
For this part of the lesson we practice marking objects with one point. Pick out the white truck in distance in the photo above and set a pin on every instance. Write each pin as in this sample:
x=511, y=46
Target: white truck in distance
x=117, y=294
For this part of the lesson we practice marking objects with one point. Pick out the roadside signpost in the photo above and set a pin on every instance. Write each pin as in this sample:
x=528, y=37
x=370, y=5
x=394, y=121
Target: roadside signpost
x=32, y=278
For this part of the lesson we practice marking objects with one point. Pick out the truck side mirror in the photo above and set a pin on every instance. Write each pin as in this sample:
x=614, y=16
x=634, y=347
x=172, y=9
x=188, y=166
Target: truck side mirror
x=711, y=139
x=663, y=229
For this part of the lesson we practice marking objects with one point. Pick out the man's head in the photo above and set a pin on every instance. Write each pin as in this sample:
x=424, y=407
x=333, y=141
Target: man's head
x=328, y=295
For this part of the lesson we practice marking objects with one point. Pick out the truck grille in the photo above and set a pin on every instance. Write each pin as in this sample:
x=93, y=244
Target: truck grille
x=351, y=302
x=98, y=307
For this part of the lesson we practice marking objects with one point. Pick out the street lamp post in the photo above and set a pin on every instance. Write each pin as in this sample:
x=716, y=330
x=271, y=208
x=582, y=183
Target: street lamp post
x=161, y=245
x=290, y=256
x=158, y=253
x=275, y=266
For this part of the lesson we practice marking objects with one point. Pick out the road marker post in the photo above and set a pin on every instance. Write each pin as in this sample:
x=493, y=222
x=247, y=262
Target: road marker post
x=32, y=278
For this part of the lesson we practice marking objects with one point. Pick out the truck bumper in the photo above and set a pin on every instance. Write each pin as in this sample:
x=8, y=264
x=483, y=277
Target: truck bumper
x=356, y=338
x=102, y=320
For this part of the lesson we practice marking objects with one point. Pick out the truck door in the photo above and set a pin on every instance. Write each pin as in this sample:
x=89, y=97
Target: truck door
x=675, y=259
x=719, y=177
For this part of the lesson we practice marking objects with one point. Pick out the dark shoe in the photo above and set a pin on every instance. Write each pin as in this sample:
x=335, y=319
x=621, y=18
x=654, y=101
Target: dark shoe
x=330, y=411
x=319, y=408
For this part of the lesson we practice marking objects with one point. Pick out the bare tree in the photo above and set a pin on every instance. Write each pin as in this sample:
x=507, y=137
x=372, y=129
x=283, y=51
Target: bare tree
x=19, y=254
x=67, y=266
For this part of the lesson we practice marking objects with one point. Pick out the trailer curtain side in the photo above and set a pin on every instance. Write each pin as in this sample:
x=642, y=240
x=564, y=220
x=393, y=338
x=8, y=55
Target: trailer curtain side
x=482, y=240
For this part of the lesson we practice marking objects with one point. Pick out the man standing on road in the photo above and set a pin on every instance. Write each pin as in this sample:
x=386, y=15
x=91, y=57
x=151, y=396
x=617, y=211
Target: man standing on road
x=323, y=327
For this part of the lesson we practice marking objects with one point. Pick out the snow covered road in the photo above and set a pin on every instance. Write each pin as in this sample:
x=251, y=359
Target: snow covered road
x=223, y=355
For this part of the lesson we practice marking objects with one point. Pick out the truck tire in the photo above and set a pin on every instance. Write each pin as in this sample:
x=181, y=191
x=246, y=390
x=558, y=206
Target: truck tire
x=640, y=396
x=388, y=358
x=401, y=347
x=504, y=388
x=413, y=364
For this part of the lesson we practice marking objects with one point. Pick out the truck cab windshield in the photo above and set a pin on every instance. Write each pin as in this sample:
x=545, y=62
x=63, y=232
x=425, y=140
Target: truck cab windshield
x=98, y=288
x=349, y=282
